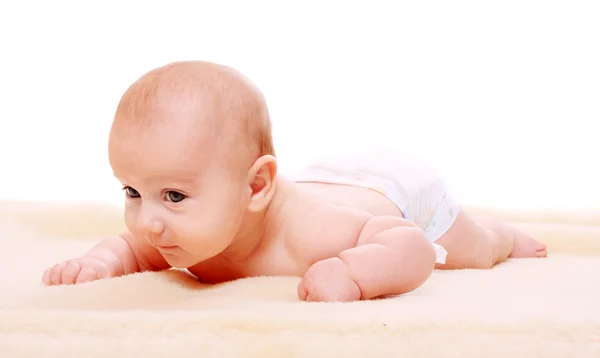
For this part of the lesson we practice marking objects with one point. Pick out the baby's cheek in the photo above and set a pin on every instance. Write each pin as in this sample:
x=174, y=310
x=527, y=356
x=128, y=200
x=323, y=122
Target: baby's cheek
x=129, y=219
x=195, y=231
x=212, y=223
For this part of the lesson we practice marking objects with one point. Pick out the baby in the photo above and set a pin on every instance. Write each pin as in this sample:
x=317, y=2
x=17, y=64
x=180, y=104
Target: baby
x=191, y=143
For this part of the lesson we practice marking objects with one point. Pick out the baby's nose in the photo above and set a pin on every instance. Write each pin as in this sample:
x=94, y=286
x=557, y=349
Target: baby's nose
x=147, y=222
x=153, y=226
x=156, y=227
x=152, y=231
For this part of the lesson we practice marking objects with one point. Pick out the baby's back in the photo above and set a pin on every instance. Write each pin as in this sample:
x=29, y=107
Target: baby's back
x=360, y=198
x=326, y=219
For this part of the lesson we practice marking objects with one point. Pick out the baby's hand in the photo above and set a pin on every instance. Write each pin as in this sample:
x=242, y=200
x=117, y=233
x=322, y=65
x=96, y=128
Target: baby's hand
x=328, y=281
x=76, y=271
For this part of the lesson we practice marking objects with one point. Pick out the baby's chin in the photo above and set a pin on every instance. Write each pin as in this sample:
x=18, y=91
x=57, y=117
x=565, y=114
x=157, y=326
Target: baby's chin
x=182, y=259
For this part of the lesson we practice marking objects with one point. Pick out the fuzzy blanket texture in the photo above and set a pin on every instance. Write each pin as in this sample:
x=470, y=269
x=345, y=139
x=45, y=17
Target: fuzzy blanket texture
x=521, y=308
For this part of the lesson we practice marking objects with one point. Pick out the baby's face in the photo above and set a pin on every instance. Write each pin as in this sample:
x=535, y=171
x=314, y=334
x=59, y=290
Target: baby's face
x=179, y=198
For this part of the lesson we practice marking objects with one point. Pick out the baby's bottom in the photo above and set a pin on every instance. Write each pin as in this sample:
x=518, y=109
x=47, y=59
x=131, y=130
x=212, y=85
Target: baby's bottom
x=480, y=242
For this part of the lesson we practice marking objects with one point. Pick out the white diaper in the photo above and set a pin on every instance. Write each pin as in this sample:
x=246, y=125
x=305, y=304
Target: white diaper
x=417, y=190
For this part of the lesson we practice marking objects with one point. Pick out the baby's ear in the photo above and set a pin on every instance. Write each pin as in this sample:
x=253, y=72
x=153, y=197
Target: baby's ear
x=262, y=182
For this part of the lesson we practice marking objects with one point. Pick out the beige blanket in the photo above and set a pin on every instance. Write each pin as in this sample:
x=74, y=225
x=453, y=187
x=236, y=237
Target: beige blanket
x=522, y=308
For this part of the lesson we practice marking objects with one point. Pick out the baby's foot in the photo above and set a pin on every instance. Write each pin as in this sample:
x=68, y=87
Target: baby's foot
x=526, y=246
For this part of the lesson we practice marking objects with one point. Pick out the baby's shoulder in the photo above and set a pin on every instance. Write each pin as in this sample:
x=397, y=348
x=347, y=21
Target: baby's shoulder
x=323, y=228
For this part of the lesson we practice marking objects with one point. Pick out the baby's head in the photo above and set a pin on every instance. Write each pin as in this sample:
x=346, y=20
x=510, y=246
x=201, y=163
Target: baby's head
x=191, y=143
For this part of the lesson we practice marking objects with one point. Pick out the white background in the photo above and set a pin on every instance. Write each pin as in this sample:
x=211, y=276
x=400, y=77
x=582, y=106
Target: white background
x=501, y=96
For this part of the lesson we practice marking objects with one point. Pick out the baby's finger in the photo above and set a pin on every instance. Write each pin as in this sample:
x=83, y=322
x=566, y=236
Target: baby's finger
x=70, y=272
x=100, y=269
x=302, y=293
x=56, y=273
x=311, y=298
x=86, y=274
x=46, y=277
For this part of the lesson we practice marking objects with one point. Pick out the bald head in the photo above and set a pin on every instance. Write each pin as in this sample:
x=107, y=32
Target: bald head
x=216, y=103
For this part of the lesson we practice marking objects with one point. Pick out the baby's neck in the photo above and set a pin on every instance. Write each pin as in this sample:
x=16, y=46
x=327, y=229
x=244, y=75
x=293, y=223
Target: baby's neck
x=259, y=229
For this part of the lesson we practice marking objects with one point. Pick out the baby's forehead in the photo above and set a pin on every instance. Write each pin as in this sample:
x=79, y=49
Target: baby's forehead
x=142, y=159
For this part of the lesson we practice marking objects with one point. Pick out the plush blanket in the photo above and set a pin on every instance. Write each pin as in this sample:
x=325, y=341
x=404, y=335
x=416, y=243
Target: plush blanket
x=521, y=308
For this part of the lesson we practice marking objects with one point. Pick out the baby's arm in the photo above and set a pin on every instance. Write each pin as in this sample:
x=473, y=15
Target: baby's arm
x=392, y=256
x=111, y=257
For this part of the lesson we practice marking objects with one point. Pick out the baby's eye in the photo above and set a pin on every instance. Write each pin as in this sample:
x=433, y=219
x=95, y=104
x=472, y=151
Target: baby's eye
x=175, y=197
x=131, y=192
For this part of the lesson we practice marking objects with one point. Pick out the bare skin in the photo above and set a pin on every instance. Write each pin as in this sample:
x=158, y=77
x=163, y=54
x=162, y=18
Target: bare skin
x=474, y=241
x=230, y=215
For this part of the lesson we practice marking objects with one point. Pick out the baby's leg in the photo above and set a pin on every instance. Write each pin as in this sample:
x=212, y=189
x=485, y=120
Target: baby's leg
x=478, y=241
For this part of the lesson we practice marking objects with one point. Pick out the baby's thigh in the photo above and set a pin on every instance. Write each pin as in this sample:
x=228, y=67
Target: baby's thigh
x=469, y=245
